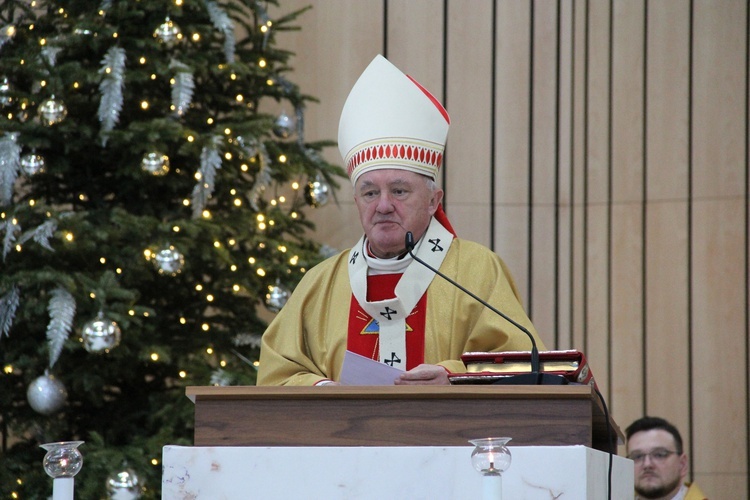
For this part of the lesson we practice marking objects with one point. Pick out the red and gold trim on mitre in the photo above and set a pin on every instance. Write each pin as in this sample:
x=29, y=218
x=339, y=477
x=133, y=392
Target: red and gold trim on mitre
x=417, y=156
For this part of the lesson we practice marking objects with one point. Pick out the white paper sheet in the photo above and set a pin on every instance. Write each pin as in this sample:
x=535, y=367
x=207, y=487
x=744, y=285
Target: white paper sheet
x=359, y=370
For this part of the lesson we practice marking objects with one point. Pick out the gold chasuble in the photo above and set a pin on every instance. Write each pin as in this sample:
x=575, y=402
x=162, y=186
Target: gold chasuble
x=306, y=342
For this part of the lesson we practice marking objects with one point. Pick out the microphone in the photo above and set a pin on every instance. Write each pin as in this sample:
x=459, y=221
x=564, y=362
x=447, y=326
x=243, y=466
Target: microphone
x=536, y=377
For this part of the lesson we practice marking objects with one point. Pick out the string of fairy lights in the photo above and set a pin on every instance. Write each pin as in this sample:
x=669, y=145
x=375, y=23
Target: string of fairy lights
x=101, y=334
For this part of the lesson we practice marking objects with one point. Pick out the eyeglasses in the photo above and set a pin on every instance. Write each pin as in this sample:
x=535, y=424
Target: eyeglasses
x=658, y=455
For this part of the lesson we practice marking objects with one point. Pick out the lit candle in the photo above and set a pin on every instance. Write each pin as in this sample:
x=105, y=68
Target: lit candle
x=491, y=458
x=62, y=462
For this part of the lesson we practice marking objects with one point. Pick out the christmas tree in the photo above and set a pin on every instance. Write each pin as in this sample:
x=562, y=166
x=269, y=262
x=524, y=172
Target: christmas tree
x=154, y=179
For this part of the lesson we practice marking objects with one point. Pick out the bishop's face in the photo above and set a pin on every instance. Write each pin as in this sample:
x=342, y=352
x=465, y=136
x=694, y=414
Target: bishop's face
x=392, y=202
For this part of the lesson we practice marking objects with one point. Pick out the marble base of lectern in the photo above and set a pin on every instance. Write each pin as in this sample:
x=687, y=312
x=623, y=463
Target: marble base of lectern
x=362, y=473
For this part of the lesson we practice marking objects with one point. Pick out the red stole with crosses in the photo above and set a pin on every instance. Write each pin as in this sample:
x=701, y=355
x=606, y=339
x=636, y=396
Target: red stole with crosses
x=387, y=311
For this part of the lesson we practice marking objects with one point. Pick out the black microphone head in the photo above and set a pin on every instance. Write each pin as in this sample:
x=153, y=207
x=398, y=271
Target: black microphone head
x=409, y=241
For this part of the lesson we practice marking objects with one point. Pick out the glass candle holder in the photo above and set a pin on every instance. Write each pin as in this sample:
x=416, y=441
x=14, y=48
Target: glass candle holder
x=62, y=459
x=491, y=456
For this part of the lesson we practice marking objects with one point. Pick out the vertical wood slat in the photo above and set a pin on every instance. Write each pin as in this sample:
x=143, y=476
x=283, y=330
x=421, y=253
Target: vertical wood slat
x=544, y=166
x=468, y=97
x=417, y=24
x=626, y=225
x=580, y=107
x=666, y=330
x=718, y=241
x=596, y=180
x=511, y=186
x=631, y=321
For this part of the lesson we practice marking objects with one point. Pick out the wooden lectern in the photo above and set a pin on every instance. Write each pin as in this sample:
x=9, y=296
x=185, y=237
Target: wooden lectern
x=401, y=416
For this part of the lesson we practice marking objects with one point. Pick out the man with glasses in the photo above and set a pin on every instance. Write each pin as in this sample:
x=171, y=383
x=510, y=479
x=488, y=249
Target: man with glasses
x=661, y=465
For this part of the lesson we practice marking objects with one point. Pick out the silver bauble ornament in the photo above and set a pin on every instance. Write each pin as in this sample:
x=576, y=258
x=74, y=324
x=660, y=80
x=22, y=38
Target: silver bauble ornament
x=100, y=335
x=32, y=163
x=276, y=297
x=5, y=91
x=123, y=485
x=317, y=192
x=155, y=163
x=284, y=126
x=168, y=32
x=169, y=261
x=52, y=111
x=46, y=394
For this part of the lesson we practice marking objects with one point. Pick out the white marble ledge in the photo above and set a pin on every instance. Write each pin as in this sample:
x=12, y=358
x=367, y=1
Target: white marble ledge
x=363, y=473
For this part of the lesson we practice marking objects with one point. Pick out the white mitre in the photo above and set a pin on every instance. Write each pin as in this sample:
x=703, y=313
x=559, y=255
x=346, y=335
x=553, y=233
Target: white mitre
x=391, y=121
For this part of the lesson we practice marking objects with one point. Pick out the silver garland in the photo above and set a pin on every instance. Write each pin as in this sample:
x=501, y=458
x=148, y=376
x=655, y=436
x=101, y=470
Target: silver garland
x=10, y=166
x=223, y=23
x=8, y=306
x=300, y=112
x=210, y=163
x=182, y=89
x=263, y=16
x=110, y=105
x=252, y=147
x=41, y=234
x=62, y=309
x=49, y=53
x=11, y=228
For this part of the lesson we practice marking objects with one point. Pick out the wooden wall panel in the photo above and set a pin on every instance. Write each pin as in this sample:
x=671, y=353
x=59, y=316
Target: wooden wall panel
x=596, y=196
x=544, y=165
x=626, y=222
x=718, y=241
x=666, y=339
x=579, y=157
x=601, y=148
x=468, y=97
x=512, y=148
x=666, y=369
x=415, y=41
x=718, y=366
